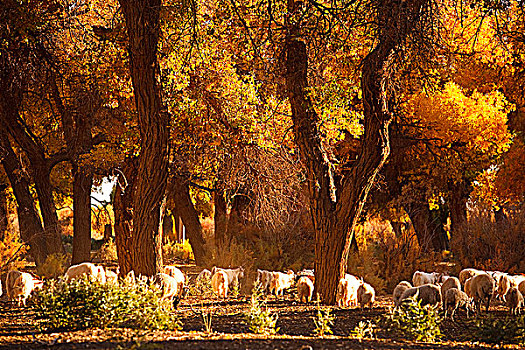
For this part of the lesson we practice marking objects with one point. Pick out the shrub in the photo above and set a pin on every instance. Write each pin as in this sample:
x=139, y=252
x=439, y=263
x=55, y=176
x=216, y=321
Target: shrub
x=413, y=321
x=201, y=288
x=364, y=330
x=54, y=266
x=83, y=304
x=258, y=318
x=506, y=330
x=323, y=321
x=172, y=251
x=12, y=251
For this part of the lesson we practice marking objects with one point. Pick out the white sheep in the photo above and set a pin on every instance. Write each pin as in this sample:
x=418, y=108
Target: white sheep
x=281, y=281
x=234, y=275
x=514, y=300
x=169, y=287
x=111, y=277
x=219, y=283
x=454, y=299
x=92, y=271
x=264, y=277
x=467, y=273
x=481, y=287
x=347, y=291
x=23, y=286
x=305, y=289
x=420, y=278
x=178, y=276
x=204, y=275
x=398, y=291
x=429, y=294
x=451, y=282
x=366, y=295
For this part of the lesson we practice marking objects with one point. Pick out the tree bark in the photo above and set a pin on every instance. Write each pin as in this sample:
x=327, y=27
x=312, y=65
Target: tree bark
x=3, y=211
x=458, y=197
x=82, y=183
x=142, y=22
x=220, y=218
x=123, y=209
x=180, y=191
x=336, y=208
x=428, y=226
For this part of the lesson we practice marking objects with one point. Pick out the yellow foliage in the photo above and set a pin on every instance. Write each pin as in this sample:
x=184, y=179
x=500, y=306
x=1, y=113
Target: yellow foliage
x=54, y=266
x=12, y=251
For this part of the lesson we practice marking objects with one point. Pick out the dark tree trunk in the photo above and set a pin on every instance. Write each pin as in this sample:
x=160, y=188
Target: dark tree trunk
x=123, y=209
x=142, y=22
x=30, y=226
x=82, y=183
x=336, y=210
x=428, y=226
x=3, y=211
x=167, y=227
x=220, y=218
x=458, y=197
x=180, y=190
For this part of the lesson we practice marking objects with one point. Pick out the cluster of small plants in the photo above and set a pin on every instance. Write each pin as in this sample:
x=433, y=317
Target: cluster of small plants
x=493, y=330
x=201, y=287
x=414, y=321
x=323, y=321
x=364, y=330
x=82, y=303
x=258, y=318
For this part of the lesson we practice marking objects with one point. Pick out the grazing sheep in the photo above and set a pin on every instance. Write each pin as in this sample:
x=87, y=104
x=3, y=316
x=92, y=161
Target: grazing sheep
x=204, y=275
x=429, y=294
x=169, y=286
x=420, y=278
x=496, y=275
x=264, y=277
x=92, y=271
x=219, y=283
x=398, y=291
x=10, y=280
x=366, y=295
x=465, y=274
x=305, y=289
x=179, y=277
x=111, y=277
x=514, y=300
x=504, y=284
x=347, y=291
x=281, y=281
x=481, y=289
x=306, y=273
x=451, y=282
x=23, y=286
x=234, y=275
x=454, y=299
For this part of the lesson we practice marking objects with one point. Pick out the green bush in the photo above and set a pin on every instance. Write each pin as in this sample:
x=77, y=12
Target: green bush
x=258, y=318
x=413, y=321
x=83, y=304
x=507, y=330
x=364, y=330
x=323, y=321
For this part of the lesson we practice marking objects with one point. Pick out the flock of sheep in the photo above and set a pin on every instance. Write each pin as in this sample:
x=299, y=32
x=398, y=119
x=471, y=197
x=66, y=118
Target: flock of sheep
x=469, y=290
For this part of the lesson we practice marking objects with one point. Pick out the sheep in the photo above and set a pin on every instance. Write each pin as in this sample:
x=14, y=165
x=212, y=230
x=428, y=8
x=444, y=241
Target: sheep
x=219, y=283
x=169, y=287
x=481, y=288
x=264, y=277
x=503, y=286
x=398, y=291
x=366, y=295
x=451, y=282
x=178, y=276
x=204, y=275
x=428, y=294
x=454, y=299
x=281, y=281
x=10, y=280
x=23, y=286
x=94, y=272
x=467, y=273
x=347, y=291
x=420, y=278
x=234, y=275
x=111, y=277
x=305, y=289
x=514, y=300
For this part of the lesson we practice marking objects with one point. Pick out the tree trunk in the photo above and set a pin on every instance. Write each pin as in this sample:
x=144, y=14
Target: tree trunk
x=428, y=227
x=30, y=226
x=142, y=22
x=458, y=197
x=180, y=190
x=3, y=211
x=82, y=183
x=220, y=218
x=335, y=218
x=123, y=209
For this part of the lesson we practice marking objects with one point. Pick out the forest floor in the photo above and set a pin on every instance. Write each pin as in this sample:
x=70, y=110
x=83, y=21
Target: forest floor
x=19, y=329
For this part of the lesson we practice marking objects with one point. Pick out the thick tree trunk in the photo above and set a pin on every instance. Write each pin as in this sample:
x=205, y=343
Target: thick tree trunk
x=82, y=183
x=180, y=190
x=44, y=189
x=123, y=209
x=336, y=210
x=220, y=216
x=429, y=229
x=30, y=226
x=3, y=211
x=458, y=197
x=142, y=22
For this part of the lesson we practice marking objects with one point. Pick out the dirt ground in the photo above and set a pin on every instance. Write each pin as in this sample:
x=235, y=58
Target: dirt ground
x=19, y=330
